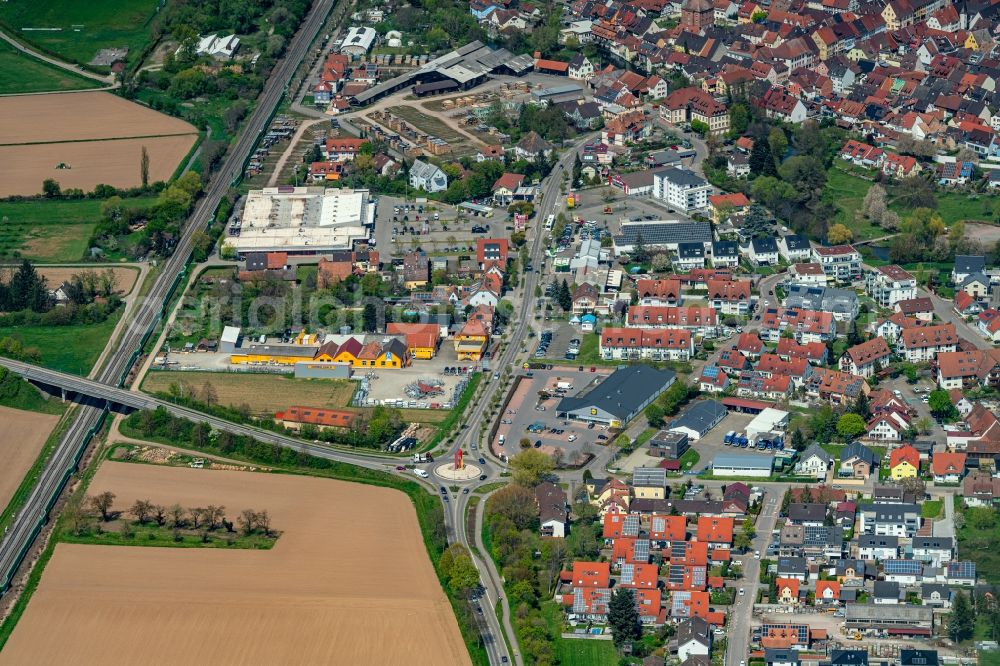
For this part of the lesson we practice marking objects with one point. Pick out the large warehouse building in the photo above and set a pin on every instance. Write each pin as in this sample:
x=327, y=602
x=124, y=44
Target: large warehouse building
x=466, y=67
x=302, y=220
x=619, y=398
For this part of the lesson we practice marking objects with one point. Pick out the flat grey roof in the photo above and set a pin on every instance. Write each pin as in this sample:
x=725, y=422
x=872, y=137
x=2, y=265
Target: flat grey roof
x=623, y=392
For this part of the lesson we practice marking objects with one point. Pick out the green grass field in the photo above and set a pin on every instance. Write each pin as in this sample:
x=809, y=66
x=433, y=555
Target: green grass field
x=17, y=393
x=81, y=28
x=72, y=349
x=51, y=231
x=976, y=543
x=847, y=192
x=931, y=508
x=20, y=73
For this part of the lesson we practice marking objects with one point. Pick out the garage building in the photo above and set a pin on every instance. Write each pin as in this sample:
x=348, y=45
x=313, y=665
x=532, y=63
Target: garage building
x=740, y=464
x=769, y=420
x=619, y=398
x=698, y=419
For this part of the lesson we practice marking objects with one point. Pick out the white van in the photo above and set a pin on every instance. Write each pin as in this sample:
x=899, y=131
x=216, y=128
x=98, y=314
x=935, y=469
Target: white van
x=421, y=473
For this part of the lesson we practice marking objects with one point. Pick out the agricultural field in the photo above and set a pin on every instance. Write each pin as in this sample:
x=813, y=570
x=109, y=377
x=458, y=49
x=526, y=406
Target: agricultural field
x=76, y=31
x=85, y=139
x=263, y=393
x=22, y=435
x=21, y=73
x=73, y=349
x=335, y=585
x=51, y=231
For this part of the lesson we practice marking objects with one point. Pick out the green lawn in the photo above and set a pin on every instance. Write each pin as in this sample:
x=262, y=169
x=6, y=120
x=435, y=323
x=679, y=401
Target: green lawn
x=847, y=192
x=977, y=544
x=72, y=349
x=689, y=459
x=931, y=508
x=20, y=73
x=82, y=28
x=578, y=652
x=989, y=658
x=19, y=394
x=51, y=231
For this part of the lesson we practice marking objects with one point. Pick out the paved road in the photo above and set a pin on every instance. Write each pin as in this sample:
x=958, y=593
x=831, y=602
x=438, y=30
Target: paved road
x=741, y=612
x=508, y=359
x=108, y=80
x=68, y=452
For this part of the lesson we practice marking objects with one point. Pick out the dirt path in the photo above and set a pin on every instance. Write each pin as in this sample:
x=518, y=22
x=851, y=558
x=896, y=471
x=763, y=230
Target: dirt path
x=108, y=81
x=273, y=180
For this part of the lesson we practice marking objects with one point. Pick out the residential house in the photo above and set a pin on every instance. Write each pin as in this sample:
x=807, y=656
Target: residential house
x=902, y=520
x=904, y=463
x=948, y=467
x=694, y=638
x=814, y=461
x=794, y=248
x=887, y=285
x=427, y=177
x=646, y=343
x=841, y=263
x=866, y=359
x=924, y=343
x=878, y=547
x=857, y=461
x=552, y=509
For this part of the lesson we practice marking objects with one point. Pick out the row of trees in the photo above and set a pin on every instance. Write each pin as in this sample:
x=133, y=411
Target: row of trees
x=176, y=517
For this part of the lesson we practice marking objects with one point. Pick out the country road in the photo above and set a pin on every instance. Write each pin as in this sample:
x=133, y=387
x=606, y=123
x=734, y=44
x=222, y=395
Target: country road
x=108, y=81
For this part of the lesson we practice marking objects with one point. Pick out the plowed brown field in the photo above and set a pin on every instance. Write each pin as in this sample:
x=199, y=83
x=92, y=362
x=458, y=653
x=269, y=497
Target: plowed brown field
x=22, y=435
x=98, y=135
x=86, y=115
x=348, y=582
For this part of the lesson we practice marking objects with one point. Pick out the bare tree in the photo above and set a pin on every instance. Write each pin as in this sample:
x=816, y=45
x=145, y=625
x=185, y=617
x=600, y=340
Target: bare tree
x=196, y=513
x=142, y=509
x=209, y=395
x=126, y=530
x=77, y=517
x=103, y=503
x=176, y=515
x=264, y=522
x=160, y=515
x=247, y=520
x=214, y=514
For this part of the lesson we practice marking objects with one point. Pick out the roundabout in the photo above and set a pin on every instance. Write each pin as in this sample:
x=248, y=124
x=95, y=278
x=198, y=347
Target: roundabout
x=458, y=470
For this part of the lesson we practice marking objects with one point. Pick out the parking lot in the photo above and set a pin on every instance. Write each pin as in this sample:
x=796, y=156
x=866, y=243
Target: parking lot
x=707, y=447
x=400, y=226
x=528, y=409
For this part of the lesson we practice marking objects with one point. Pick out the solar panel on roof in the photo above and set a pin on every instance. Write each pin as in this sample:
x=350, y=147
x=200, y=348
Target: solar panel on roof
x=631, y=526
x=642, y=550
x=902, y=567
x=962, y=570
x=711, y=371
x=628, y=574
